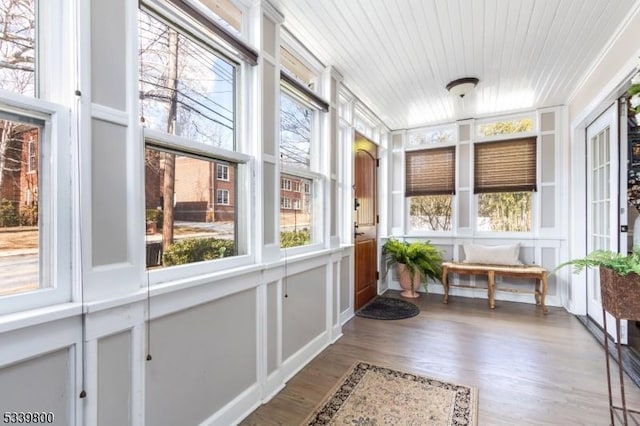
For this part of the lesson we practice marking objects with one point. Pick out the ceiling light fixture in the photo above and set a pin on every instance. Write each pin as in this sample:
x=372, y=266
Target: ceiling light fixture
x=462, y=86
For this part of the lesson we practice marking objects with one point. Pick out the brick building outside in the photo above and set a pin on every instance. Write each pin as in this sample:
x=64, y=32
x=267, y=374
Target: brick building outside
x=19, y=175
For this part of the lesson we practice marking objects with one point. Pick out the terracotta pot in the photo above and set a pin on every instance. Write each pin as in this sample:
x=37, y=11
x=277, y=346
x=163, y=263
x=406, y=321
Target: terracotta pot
x=405, y=282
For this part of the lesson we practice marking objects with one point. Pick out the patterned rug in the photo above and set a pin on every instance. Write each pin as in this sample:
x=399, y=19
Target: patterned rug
x=387, y=308
x=372, y=395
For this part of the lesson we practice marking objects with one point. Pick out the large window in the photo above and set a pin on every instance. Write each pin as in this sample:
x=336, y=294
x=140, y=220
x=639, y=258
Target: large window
x=187, y=107
x=296, y=120
x=429, y=188
x=302, y=178
x=505, y=179
x=35, y=168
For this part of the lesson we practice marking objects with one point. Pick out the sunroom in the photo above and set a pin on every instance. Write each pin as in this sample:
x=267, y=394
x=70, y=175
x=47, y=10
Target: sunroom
x=194, y=196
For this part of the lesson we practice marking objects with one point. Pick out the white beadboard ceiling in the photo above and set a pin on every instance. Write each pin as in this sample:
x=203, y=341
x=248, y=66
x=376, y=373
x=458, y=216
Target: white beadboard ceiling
x=397, y=56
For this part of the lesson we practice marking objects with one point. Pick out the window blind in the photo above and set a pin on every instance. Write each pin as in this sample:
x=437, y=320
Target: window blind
x=243, y=50
x=505, y=166
x=430, y=171
x=305, y=95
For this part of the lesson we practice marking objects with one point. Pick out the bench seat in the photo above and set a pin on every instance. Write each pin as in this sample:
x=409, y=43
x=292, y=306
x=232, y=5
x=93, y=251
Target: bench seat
x=516, y=271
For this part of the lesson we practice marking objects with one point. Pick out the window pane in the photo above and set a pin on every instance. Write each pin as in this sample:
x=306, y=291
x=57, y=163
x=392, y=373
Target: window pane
x=506, y=127
x=195, y=218
x=226, y=14
x=19, y=196
x=504, y=211
x=432, y=137
x=17, y=46
x=296, y=213
x=185, y=89
x=295, y=133
x=430, y=213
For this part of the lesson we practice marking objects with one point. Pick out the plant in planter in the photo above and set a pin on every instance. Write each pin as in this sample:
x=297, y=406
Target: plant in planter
x=620, y=294
x=416, y=263
x=619, y=280
x=617, y=262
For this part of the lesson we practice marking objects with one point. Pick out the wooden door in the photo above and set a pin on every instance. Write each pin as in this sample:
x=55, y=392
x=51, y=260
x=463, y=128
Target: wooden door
x=365, y=221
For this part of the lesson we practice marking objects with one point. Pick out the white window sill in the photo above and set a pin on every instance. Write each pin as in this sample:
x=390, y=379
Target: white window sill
x=33, y=317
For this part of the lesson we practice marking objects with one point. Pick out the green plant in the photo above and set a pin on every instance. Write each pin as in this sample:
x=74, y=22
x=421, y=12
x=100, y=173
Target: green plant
x=8, y=213
x=196, y=250
x=154, y=215
x=418, y=256
x=617, y=262
x=295, y=238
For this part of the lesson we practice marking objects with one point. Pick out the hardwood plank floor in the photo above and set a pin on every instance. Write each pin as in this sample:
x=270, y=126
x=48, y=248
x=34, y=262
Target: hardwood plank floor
x=530, y=369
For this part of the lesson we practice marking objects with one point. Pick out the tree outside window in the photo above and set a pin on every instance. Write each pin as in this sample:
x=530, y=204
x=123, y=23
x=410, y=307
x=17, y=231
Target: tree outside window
x=504, y=212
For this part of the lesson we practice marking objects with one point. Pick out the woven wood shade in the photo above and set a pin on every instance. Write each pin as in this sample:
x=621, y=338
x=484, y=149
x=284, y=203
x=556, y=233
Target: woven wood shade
x=430, y=172
x=505, y=166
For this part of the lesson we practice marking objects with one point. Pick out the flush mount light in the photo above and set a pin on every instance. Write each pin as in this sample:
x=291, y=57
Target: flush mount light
x=462, y=86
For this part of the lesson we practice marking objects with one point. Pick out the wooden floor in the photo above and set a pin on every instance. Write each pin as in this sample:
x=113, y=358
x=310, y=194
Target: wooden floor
x=530, y=369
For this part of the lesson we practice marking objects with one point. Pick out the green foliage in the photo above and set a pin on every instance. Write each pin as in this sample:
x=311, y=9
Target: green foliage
x=154, y=215
x=295, y=238
x=617, y=262
x=8, y=213
x=29, y=215
x=507, y=211
x=418, y=256
x=196, y=250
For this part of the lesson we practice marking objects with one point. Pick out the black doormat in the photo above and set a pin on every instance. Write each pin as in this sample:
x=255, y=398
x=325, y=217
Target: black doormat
x=386, y=308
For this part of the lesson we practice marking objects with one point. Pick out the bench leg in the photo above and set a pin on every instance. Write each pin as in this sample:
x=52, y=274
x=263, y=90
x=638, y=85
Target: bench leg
x=543, y=296
x=445, y=283
x=491, y=290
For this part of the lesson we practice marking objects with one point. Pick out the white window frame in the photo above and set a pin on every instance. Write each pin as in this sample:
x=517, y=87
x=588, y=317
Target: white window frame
x=162, y=140
x=317, y=181
x=429, y=233
x=295, y=205
x=454, y=197
x=534, y=195
x=285, y=184
x=285, y=203
x=32, y=160
x=172, y=143
x=296, y=186
x=224, y=195
x=225, y=172
x=56, y=204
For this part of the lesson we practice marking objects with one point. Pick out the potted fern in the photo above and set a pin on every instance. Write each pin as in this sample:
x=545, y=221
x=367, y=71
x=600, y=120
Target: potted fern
x=619, y=280
x=416, y=262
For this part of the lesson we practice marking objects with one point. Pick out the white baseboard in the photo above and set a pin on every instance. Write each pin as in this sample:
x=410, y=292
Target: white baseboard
x=236, y=410
x=346, y=316
x=297, y=361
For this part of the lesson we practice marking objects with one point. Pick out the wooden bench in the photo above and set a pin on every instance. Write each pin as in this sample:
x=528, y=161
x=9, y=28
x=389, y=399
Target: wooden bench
x=520, y=271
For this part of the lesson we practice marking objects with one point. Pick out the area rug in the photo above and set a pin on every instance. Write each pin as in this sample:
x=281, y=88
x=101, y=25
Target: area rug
x=387, y=308
x=373, y=395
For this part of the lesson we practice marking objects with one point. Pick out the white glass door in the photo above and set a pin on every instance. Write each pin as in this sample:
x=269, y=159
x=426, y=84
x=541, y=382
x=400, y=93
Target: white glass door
x=603, y=206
